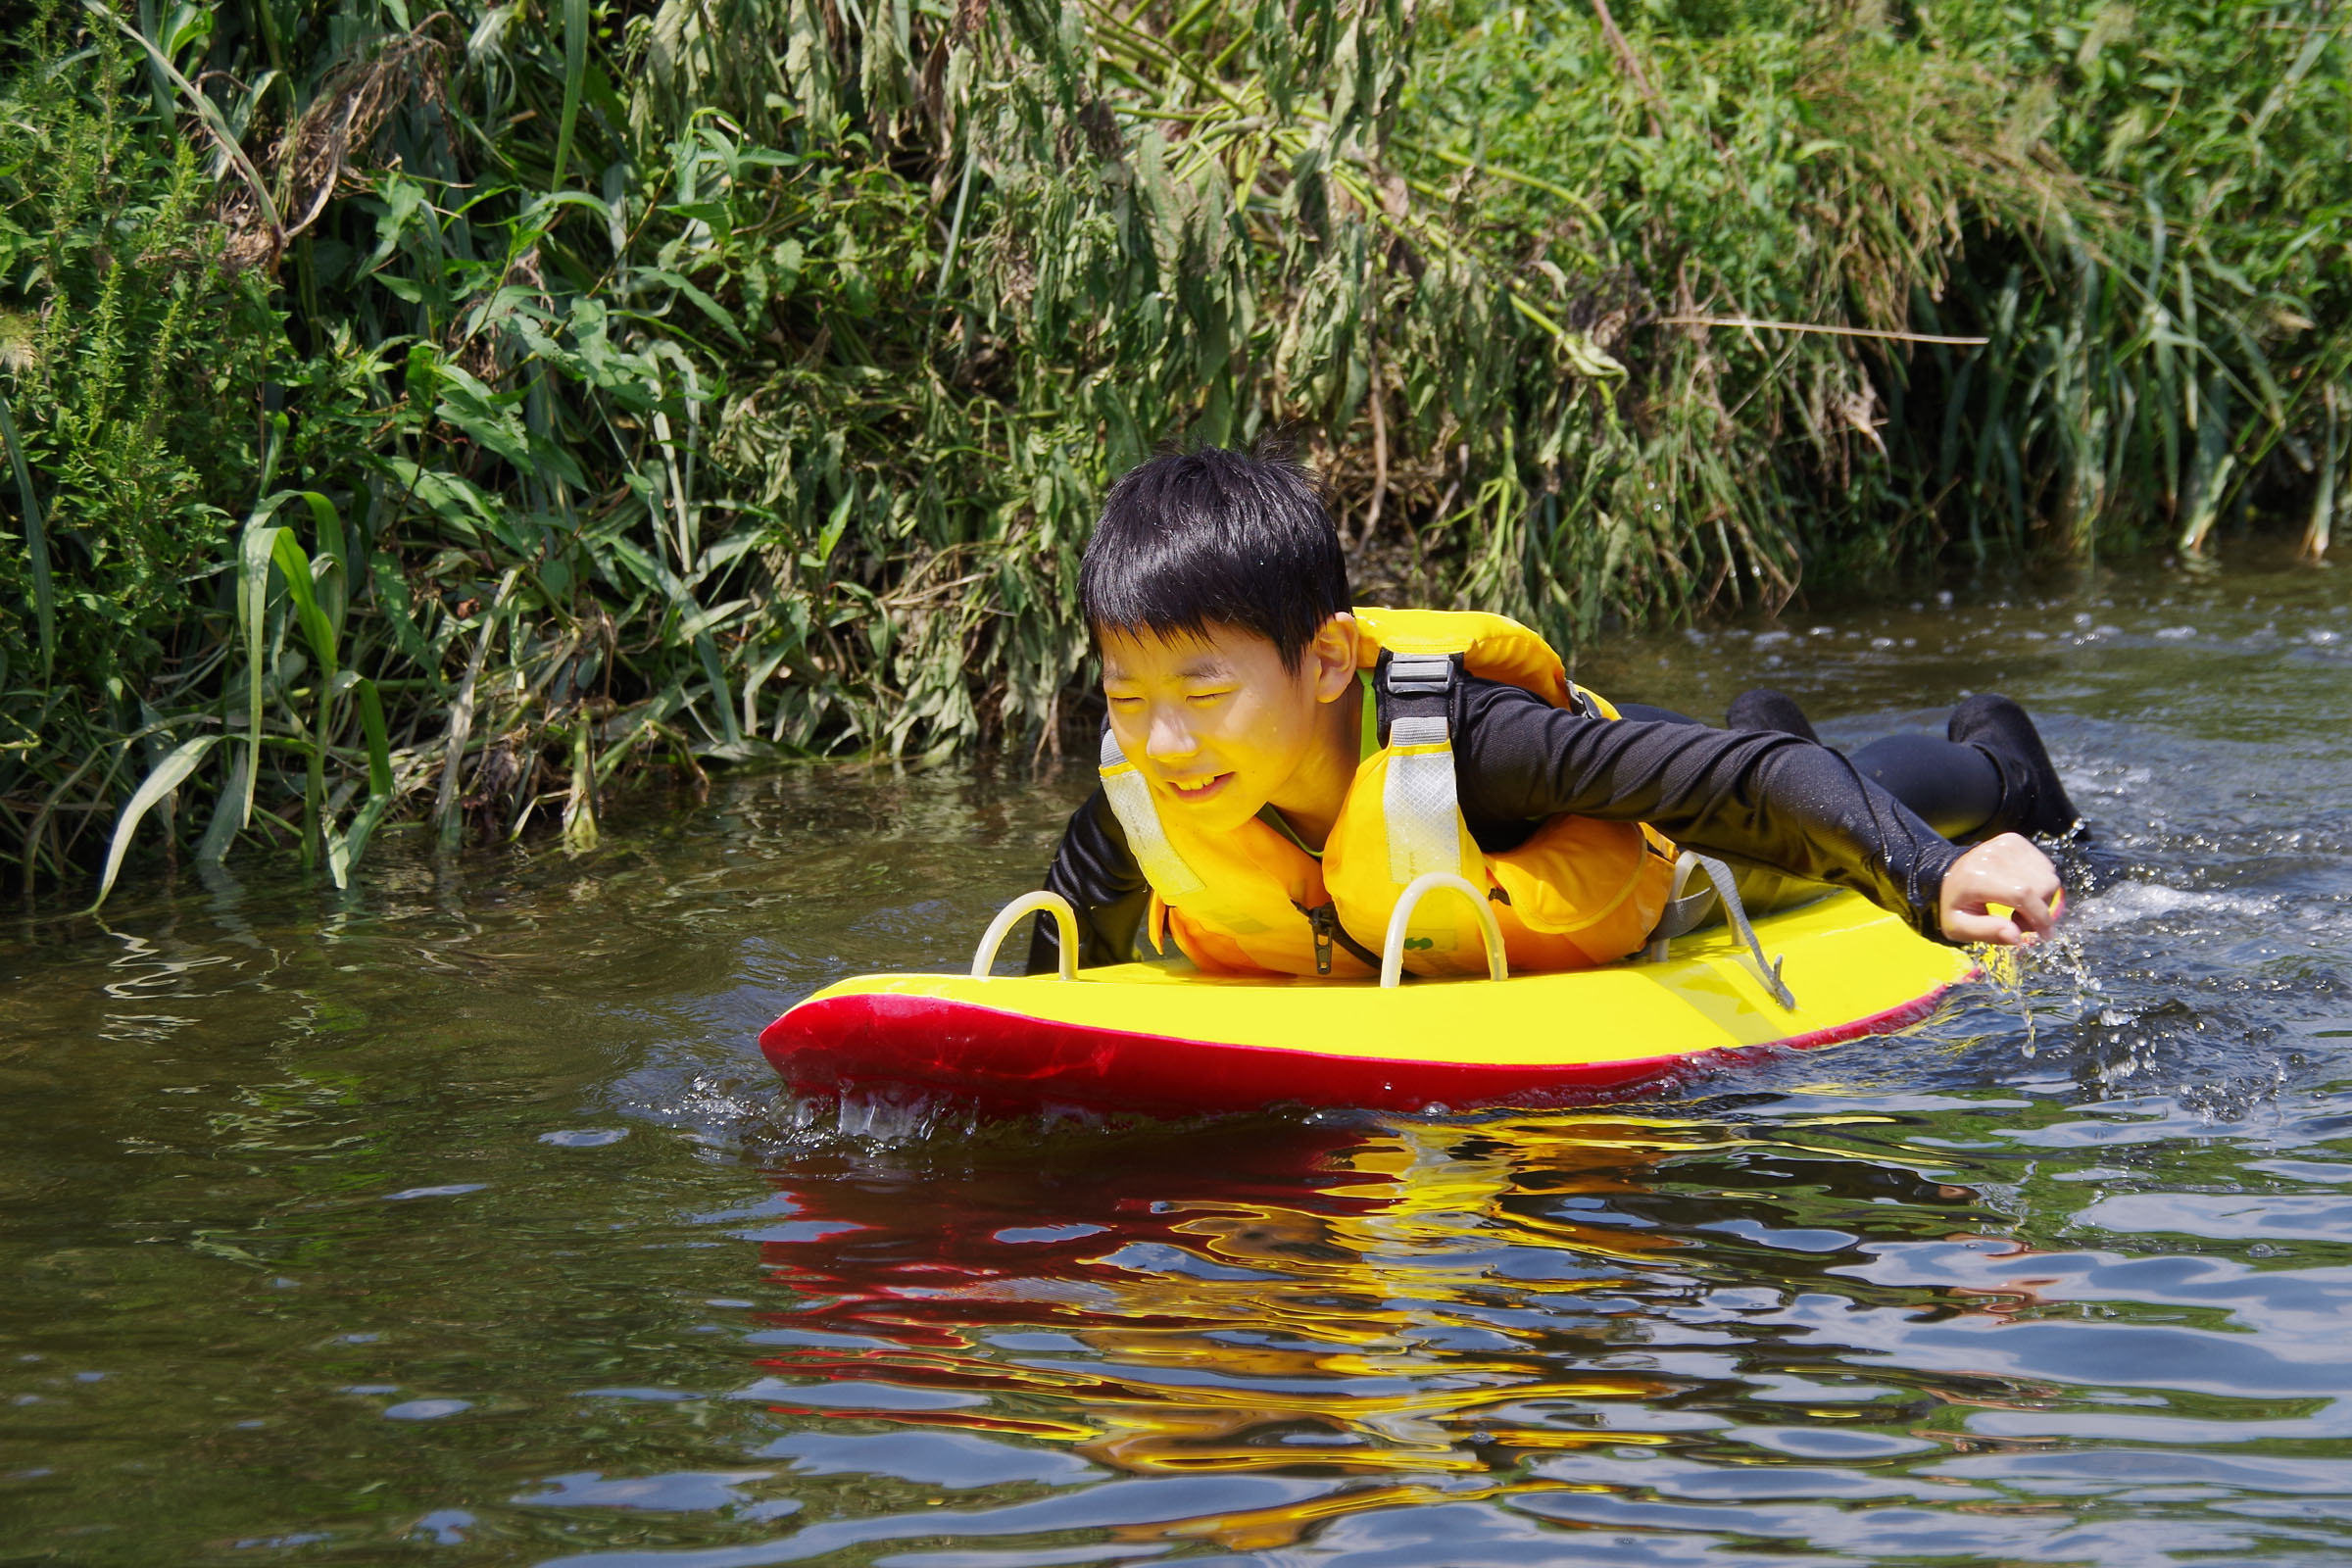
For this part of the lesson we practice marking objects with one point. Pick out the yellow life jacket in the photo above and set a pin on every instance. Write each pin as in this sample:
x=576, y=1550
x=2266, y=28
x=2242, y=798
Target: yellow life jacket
x=1577, y=893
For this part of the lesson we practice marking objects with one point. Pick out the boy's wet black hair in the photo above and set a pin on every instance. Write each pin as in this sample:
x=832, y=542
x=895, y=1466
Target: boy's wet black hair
x=1241, y=539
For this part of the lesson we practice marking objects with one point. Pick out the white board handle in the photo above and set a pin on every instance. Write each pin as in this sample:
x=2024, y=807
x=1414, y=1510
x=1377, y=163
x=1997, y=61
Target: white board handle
x=1066, y=921
x=1392, y=952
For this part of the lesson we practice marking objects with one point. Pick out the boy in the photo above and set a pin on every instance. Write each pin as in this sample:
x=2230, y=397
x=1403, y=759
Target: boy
x=1242, y=823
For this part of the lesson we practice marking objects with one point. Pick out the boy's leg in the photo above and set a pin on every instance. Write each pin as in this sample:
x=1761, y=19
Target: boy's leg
x=1766, y=709
x=1991, y=774
x=2033, y=800
x=1648, y=714
x=1954, y=789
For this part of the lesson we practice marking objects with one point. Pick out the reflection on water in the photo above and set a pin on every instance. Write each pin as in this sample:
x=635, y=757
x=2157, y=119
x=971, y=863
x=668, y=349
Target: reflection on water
x=460, y=1219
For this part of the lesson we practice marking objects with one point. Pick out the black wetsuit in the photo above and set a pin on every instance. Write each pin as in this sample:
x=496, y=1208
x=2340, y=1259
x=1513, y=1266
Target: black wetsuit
x=1756, y=798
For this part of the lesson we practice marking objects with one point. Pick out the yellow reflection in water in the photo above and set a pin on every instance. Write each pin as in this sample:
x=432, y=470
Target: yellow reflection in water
x=1420, y=1311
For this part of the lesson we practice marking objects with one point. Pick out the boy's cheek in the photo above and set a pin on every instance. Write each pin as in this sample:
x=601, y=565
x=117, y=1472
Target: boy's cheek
x=1127, y=729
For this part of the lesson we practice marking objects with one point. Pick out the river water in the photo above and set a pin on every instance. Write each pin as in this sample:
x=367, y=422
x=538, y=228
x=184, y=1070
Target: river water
x=458, y=1220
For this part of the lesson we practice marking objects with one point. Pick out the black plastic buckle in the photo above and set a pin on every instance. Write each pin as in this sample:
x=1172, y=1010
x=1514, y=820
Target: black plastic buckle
x=1418, y=675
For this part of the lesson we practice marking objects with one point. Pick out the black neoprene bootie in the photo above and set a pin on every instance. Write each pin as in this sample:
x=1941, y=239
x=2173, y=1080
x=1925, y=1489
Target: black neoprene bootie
x=1766, y=709
x=2033, y=801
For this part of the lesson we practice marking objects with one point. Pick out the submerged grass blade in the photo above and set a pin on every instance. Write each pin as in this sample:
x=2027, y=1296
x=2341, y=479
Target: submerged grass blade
x=222, y=831
x=344, y=850
x=579, y=802
x=446, y=814
x=254, y=555
x=169, y=775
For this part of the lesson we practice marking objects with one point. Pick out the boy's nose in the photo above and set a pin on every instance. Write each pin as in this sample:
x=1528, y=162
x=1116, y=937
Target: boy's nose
x=1169, y=739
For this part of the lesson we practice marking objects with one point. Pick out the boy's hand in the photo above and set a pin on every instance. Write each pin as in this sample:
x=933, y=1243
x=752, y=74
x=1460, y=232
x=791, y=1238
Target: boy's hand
x=2008, y=870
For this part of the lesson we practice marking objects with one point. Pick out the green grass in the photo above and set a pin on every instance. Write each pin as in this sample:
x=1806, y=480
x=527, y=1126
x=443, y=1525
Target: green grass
x=453, y=412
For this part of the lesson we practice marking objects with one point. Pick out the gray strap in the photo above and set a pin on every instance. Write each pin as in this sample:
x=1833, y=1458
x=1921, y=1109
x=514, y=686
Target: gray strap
x=1683, y=912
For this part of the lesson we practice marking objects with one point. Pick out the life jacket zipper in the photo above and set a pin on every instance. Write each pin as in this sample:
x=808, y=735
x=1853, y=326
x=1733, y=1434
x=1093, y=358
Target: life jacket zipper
x=1324, y=921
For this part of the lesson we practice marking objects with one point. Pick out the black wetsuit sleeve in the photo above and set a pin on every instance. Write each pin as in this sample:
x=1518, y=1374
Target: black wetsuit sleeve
x=1096, y=870
x=1757, y=797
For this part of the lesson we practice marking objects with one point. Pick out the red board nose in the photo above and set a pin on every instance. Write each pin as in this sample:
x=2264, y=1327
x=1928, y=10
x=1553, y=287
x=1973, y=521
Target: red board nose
x=987, y=1058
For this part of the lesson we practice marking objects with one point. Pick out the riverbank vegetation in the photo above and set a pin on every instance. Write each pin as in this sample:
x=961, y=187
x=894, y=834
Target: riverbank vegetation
x=434, y=413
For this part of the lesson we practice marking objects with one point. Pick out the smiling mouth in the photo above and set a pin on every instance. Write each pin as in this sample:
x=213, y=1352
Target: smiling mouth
x=1196, y=790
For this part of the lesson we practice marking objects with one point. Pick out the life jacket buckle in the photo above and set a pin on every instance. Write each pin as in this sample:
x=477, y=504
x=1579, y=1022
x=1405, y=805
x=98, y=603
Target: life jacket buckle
x=1420, y=675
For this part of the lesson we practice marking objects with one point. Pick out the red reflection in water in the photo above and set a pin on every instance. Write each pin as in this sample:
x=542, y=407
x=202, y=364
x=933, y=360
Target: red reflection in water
x=930, y=1261
x=1251, y=1295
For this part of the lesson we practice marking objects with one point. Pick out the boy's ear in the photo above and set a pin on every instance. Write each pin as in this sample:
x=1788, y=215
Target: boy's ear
x=1332, y=657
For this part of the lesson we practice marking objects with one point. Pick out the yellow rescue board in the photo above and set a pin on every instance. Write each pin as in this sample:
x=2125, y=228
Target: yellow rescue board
x=1155, y=1037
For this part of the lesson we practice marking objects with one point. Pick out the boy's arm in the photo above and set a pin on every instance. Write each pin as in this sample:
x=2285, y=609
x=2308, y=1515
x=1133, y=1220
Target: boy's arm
x=1758, y=797
x=1098, y=873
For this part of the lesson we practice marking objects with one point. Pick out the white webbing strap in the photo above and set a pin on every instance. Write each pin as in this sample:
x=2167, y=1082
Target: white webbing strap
x=1417, y=797
x=1130, y=797
x=1418, y=802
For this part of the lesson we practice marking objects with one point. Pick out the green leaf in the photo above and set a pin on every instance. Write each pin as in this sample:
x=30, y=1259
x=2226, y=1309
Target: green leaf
x=555, y=200
x=575, y=71
x=294, y=565
x=329, y=570
x=36, y=541
x=392, y=598
x=834, y=527
x=458, y=502
x=701, y=301
x=721, y=698
x=484, y=416
x=167, y=776
x=379, y=744
x=699, y=623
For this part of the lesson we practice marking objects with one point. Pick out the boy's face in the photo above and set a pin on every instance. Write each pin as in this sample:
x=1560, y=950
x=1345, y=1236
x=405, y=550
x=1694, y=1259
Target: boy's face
x=1216, y=723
